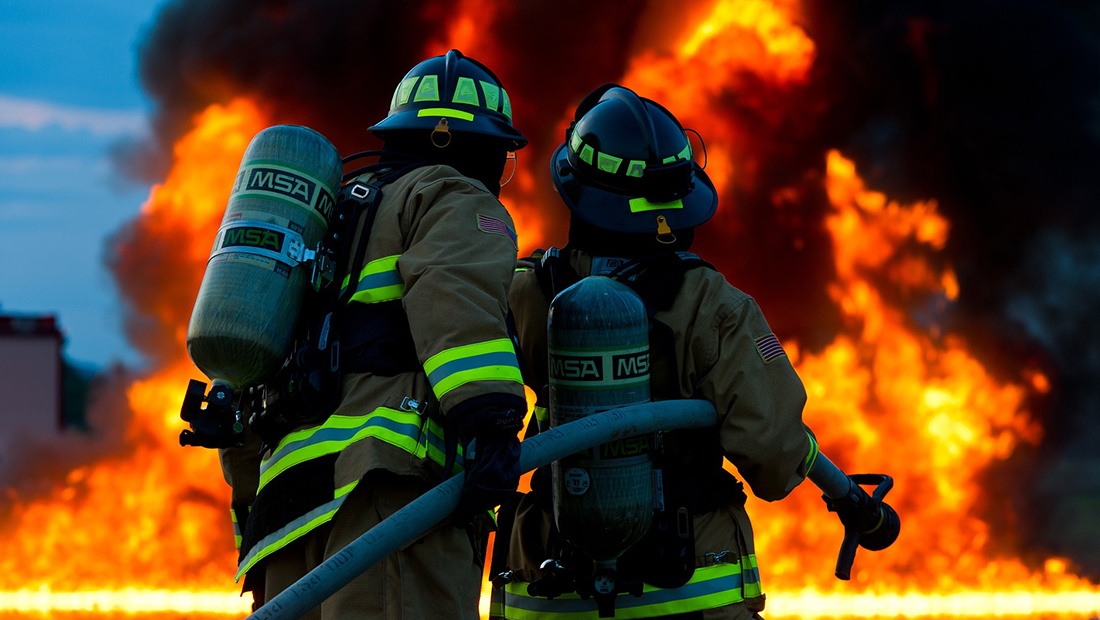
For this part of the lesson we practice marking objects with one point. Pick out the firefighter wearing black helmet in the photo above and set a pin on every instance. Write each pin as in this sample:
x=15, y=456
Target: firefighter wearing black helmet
x=635, y=195
x=426, y=359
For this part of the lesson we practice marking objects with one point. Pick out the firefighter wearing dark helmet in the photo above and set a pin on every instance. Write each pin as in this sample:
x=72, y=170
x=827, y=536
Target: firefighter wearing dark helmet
x=635, y=195
x=427, y=363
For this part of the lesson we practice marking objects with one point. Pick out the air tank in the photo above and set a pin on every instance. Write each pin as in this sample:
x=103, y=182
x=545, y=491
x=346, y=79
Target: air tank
x=243, y=323
x=598, y=345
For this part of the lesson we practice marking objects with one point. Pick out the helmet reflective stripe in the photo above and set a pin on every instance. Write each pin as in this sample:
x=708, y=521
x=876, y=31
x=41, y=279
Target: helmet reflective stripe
x=428, y=89
x=404, y=90
x=637, y=205
x=608, y=163
x=452, y=80
x=635, y=168
x=586, y=154
x=466, y=116
x=492, y=94
x=684, y=154
x=465, y=92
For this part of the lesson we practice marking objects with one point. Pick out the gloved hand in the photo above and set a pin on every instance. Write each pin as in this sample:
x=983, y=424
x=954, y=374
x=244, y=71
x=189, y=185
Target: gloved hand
x=488, y=430
x=874, y=520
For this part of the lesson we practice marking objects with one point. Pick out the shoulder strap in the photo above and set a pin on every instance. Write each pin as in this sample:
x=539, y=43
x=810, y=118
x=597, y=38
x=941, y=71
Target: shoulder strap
x=553, y=271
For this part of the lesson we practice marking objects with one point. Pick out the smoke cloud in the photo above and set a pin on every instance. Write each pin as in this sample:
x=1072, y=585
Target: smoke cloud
x=988, y=107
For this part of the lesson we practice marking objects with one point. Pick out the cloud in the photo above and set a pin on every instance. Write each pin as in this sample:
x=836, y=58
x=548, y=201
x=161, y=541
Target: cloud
x=34, y=115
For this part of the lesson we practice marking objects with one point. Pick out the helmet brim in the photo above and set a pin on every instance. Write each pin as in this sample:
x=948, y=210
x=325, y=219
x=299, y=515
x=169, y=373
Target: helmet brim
x=481, y=125
x=630, y=214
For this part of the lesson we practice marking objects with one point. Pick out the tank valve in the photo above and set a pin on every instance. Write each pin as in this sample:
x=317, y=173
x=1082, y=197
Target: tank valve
x=217, y=425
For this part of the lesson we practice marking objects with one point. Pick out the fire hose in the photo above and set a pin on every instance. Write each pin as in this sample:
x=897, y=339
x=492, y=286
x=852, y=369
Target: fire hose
x=414, y=519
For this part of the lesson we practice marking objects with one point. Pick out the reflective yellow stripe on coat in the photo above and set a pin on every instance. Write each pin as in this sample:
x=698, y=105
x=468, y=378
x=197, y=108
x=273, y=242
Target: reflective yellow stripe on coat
x=423, y=438
x=378, y=281
x=710, y=587
x=494, y=360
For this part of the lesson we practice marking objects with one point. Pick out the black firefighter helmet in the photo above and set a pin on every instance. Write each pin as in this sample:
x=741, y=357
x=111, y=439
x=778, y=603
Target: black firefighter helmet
x=626, y=166
x=459, y=92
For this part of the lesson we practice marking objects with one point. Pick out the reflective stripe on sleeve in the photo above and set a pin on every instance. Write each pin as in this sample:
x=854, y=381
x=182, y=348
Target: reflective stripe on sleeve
x=494, y=360
x=811, y=456
x=378, y=281
x=710, y=587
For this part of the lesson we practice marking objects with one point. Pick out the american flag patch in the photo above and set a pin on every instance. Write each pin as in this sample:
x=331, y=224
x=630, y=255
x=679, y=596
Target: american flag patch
x=769, y=348
x=494, y=226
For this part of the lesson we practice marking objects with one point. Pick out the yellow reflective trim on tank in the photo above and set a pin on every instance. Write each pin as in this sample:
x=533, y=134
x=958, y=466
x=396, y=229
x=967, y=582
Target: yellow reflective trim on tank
x=586, y=154
x=404, y=89
x=466, y=92
x=710, y=587
x=608, y=163
x=635, y=168
x=492, y=95
x=507, y=104
x=466, y=116
x=638, y=205
x=428, y=89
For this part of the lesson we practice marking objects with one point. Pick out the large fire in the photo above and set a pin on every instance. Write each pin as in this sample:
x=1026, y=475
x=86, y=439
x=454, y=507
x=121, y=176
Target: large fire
x=895, y=392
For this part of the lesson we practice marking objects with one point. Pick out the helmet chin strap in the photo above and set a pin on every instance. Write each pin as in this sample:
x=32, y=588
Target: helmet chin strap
x=514, y=157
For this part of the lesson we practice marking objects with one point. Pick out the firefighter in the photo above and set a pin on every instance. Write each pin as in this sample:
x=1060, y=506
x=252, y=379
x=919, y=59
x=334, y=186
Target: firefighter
x=427, y=366
x=635, y=195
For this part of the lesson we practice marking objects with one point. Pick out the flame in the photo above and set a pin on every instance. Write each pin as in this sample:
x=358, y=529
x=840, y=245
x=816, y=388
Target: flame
x=888, y=397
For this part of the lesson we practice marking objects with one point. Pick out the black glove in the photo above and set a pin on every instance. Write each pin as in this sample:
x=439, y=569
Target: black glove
x=874, y=520
x=487, y=429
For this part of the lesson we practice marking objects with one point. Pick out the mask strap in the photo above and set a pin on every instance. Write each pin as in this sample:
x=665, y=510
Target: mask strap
x=514, y=158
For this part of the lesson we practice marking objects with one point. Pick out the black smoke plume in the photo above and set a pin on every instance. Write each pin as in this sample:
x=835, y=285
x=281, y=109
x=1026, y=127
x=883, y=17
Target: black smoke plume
x=988, y=107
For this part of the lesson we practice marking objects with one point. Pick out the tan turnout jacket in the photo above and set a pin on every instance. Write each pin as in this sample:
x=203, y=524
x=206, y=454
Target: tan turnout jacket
x=444, y=248
x=724, y=355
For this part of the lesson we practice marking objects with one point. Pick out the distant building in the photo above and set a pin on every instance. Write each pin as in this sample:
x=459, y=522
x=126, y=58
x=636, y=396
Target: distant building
x=31, y=376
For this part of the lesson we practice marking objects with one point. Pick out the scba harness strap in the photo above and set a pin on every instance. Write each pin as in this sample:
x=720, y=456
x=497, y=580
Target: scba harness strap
x=333, y=337
x=665, y=558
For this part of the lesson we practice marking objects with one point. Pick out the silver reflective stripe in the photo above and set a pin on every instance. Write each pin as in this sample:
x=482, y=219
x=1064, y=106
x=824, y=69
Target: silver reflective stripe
x=501, y=358
x=289, y=533
x=378, y=280
x=624, y=603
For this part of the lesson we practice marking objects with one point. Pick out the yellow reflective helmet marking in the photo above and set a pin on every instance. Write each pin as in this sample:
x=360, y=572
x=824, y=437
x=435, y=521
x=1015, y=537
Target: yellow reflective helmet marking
x=635, y=168
x=466, y=116
x=492, y=94
x=466, y=92
x=575, y=142
x=428, y=89
x=507, y=104
x=586, y=154
x=686, y=153
x=608, y=163
x=404, y=89
x=638, y=205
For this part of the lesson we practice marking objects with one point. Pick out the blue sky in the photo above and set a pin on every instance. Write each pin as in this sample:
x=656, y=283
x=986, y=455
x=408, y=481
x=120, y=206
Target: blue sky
x=68, y=91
